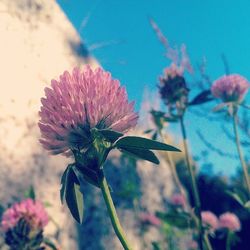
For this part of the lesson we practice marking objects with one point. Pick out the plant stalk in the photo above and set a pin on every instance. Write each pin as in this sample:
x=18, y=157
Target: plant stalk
x=193, y=184
x=173, y=168
x=242, y=161
x=113, y=215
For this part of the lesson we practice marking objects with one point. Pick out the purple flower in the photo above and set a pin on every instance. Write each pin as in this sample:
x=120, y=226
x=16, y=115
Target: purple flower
x=149, y=218
x=209, y=220
x=173, y=89
x=31, y=211
x=178, y=200
x=78, y=102
x=230, y=88
x=229, y=221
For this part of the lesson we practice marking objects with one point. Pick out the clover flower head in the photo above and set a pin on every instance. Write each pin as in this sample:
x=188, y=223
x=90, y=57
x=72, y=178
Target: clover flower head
x=209, y=219
x=79, y=101
x=149, y=218
x=173, y=71
x=178, y=200
x=230, y=88
x=31, y=211
x=172, y=87
x=229, y=221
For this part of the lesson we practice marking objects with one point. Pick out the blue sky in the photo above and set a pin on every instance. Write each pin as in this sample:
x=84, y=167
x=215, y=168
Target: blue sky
x=136, y=58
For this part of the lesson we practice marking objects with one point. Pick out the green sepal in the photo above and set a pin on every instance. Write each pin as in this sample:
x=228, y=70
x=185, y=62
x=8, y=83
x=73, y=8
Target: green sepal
x=73, y=196
x=143, y=154
x=180, y=220
x=30, y=193
x=110, y=135
x=134, y=142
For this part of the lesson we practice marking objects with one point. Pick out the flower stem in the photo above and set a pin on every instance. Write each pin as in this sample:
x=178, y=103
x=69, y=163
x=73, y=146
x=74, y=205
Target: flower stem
x=112, y=214
x=237, y=140
x=207, y=242
x=193, y=184
x=173, y=167
x=228, y=241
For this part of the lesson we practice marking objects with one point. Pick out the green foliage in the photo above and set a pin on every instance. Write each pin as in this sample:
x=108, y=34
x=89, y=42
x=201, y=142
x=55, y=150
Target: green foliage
x=110, y=135
x=156, y=246
x=49, y=243
x=181, y=220
x=143, y=154
x=240, y=197
x=73, y=196
x=134, y=142
x=203, y=97
x=30, y=193
x=70, y=190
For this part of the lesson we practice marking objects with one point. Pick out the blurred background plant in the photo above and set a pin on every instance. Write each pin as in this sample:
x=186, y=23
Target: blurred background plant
x=23, y=223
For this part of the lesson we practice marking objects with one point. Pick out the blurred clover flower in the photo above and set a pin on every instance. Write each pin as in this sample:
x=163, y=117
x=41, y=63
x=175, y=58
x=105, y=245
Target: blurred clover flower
x=209, y=220
x=149, y=219
x=81, y=101
x=31, y=211
x=173, y=89
x=23, y=224
x=178, y=200
x=230, y=88
x=229, y=221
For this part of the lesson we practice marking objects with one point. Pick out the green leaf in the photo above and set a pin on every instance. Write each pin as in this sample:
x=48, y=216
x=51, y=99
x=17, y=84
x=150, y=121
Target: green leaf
x=110, y=135
x=134, y=142
x=204, y=96
x=49, y=243
x=143, y=154
x=148, y=131
x=63, y=182
x=181, y=220
x=156, y=245
x=239, y=197
x=30, y=193
x=247, y=205
x=171, y=118
x=154, y=136
x=73, y=196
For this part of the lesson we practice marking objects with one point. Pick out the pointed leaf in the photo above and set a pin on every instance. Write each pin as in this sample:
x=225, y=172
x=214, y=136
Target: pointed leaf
x=204, y=96
x=143, y=154
x=148, y=131
x=154, y=136
x=236, y=196
x=50, y=244
x=73, y=196
x=171, y=118
x=181, y=220
x=134, y=142
x=63, y=182
x=110, y=135
x=30, y=193
x=156, y=246
x=247, y=205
